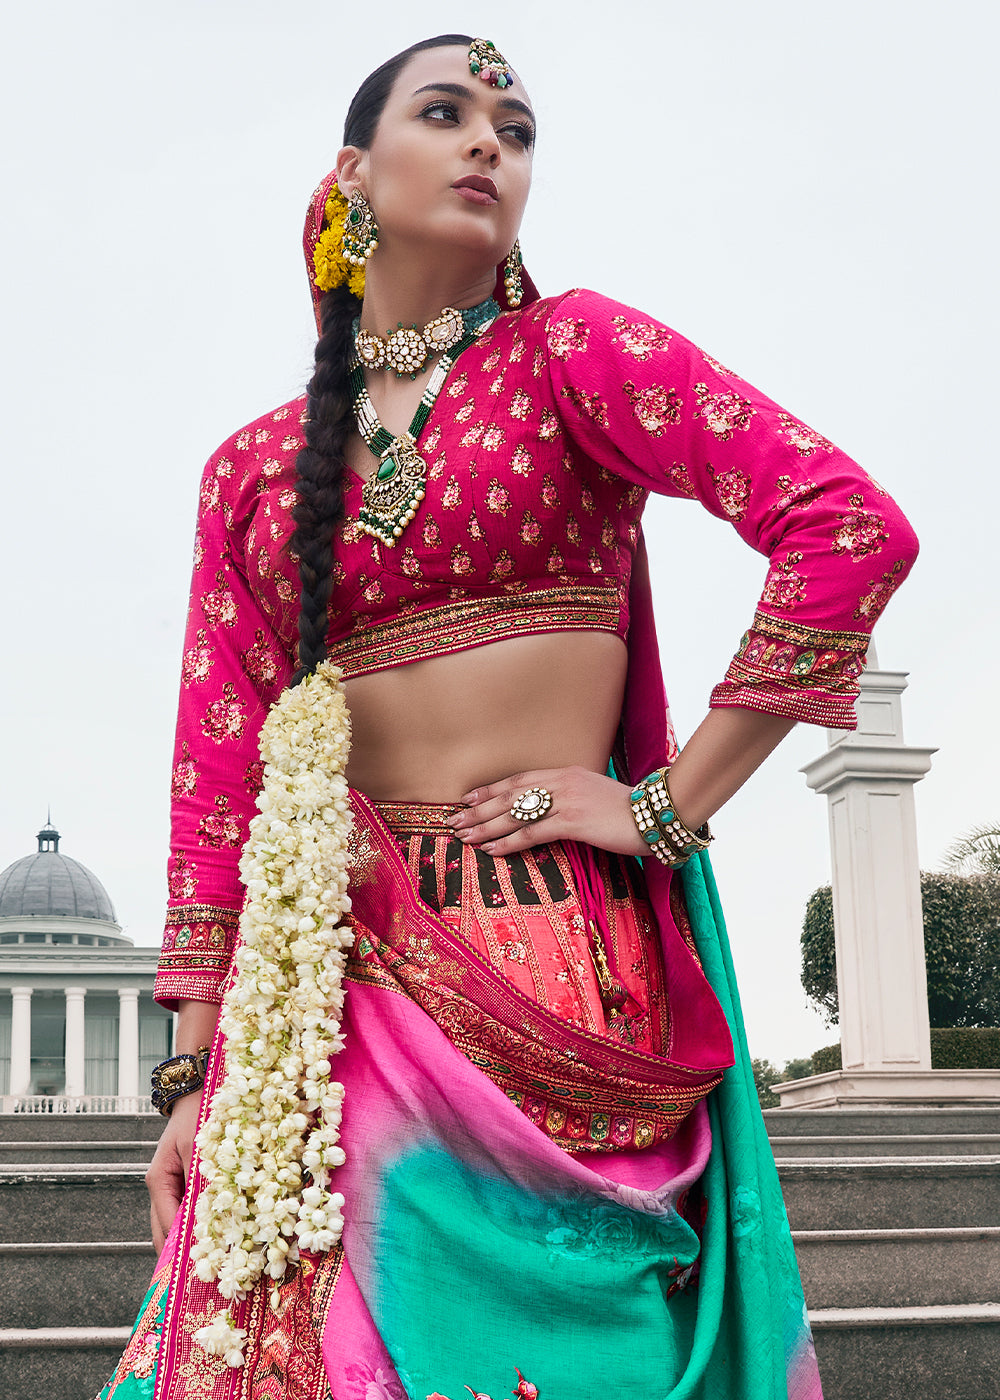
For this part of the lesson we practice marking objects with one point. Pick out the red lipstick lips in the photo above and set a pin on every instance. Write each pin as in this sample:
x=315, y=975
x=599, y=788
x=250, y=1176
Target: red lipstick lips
x=478, y=189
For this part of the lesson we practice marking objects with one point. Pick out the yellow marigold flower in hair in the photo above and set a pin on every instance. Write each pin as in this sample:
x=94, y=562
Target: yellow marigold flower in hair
x=331, y=267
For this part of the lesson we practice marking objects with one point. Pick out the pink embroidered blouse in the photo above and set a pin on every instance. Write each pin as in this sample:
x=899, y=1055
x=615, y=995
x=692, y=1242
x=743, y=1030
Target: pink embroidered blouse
x=541, y=450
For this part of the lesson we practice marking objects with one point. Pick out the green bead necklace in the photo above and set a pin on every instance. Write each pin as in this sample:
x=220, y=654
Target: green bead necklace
x=391, y=495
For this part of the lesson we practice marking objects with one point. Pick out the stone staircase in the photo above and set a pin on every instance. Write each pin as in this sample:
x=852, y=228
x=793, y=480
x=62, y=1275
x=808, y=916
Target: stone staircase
x=895, y=1215
x=75, y=1249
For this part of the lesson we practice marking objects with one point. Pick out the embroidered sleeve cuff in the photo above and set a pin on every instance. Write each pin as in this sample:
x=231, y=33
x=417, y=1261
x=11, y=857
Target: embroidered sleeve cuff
x=198, y=944
x=804, y=673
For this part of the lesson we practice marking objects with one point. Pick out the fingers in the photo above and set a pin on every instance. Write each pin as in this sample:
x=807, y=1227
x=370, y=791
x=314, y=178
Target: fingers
x=487, y=822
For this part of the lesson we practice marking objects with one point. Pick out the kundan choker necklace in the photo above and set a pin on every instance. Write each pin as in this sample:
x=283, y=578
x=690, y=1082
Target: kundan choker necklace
x=406, y=349
x=391, y=495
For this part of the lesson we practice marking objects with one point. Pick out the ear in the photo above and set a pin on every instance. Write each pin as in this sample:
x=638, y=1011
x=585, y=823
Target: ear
x=350, y=168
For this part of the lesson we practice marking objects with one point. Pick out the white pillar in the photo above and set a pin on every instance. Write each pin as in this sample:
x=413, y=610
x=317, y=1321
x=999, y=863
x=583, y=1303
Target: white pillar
x=76, y=1050
x=20, y=1040
x=128, y=1042
x=868, y=776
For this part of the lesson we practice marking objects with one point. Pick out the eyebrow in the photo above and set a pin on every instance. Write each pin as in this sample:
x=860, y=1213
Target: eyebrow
x=510, y=104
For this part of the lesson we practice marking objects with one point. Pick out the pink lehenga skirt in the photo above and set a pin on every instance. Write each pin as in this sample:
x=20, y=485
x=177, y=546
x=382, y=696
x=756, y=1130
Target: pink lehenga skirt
x=532, y=1183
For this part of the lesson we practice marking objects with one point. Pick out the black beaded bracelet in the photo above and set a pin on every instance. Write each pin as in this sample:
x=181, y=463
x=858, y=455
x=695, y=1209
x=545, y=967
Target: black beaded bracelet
x=180, y=1075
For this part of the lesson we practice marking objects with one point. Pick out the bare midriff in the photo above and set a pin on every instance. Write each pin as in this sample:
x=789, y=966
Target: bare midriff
x=433, y=730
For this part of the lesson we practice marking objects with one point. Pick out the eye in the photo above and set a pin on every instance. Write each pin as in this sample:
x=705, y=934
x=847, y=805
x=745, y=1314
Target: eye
x=441, y=111
x=520, y=133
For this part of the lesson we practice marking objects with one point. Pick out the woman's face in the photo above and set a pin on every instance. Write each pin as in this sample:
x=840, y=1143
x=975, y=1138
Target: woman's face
x=450, y=165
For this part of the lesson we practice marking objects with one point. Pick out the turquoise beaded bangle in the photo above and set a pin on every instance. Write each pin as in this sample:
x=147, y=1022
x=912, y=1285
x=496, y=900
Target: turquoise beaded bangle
x=658, y=824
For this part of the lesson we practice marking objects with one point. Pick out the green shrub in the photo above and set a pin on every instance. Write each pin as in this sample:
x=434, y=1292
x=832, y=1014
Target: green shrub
x=961, y=947
x=954, y=1047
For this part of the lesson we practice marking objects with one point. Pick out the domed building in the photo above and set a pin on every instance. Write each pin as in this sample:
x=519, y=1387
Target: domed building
x=77, y=1016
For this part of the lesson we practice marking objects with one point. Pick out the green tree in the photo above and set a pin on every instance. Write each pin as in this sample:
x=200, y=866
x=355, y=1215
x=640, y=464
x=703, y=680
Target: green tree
x=961, y=946
x=975, y=853
x=764, y=1075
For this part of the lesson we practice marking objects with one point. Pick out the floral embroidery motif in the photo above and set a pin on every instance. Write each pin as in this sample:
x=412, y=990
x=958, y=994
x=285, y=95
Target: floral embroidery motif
x=221, y=827
x=880, y=591
x=253, y=776
x=497, y=498
x=567, y=336
x=530, y=529
x=197, y=662
x=493, y=438
x=470, y=438
x=372, y=1384
x=184, y=780
x=549, y=427
x=784, y=585
x=463, y=414
x=679, y=478
x=724, y=413
x=733, y=490
x=180, y=877
x=433, y=437
x=219, y=606
x=796, y=493
x=461, y=563
x=503, y=566
x=520, y=405
x=258, y=661
x=592, y=406
x=451, y=498
x=655, y=408
x=587, y=1227
x=860, y=532
x=805, y=440
x=555, y=563
x=432, y=535
x=521, y=462
x=458, y=386
x=475, y=529
x=639, y=338
x=550, y=493
x=225, y=718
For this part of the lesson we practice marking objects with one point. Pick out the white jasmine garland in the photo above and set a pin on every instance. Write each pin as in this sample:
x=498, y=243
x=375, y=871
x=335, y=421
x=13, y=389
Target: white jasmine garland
x=270, y=1143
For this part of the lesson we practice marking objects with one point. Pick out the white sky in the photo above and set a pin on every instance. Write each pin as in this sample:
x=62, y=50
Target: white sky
x=807, y=190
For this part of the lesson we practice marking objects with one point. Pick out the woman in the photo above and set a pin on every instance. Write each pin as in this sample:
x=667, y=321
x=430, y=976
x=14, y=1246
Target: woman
x=553, y=1173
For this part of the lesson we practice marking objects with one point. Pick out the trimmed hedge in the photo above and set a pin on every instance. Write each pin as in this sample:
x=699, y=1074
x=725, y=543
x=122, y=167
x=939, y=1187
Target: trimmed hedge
x=961, y=1047
x=961, y=917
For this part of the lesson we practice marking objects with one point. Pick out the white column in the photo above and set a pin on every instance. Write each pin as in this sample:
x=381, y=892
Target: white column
x=128, y=1042
x=76, y=1051
x=868, y=777
x=20, y=1040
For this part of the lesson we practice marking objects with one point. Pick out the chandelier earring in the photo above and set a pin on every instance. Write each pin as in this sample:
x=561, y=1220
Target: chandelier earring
x=360, y=230
x=512, y=276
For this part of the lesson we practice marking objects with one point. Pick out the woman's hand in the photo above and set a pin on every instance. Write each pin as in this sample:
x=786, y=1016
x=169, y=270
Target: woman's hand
x=586, y=806
x=168, y=1170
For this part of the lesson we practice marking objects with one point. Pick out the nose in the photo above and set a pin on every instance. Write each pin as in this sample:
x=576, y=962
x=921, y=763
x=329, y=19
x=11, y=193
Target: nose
x=483, y=142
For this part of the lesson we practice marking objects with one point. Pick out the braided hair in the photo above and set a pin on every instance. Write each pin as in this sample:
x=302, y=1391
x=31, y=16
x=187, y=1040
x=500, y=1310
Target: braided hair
x=329, y=417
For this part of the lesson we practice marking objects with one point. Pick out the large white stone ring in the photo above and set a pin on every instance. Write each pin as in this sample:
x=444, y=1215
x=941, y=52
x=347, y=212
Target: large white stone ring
x=532, y=805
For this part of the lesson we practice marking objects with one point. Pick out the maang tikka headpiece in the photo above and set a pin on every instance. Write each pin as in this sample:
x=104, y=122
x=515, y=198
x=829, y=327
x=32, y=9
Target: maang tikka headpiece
x=487, y=62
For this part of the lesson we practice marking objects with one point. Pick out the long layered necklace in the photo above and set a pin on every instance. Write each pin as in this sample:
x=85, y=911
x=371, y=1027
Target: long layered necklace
x=391, y=495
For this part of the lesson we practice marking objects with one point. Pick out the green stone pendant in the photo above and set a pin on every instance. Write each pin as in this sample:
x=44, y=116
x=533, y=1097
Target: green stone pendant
x=391, y=495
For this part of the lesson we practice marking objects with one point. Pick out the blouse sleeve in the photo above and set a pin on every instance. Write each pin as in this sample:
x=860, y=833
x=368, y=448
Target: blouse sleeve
x=646, y=404
x=233, y=668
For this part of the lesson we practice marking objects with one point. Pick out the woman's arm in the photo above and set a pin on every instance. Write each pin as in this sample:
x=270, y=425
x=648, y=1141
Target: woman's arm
x=167, y=1174
x=720, y=756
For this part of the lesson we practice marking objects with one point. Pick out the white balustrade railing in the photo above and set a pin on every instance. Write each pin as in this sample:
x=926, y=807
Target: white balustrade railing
x=83, y=1103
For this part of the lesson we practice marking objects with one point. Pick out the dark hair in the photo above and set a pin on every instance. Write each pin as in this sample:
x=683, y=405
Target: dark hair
x=329, y=412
